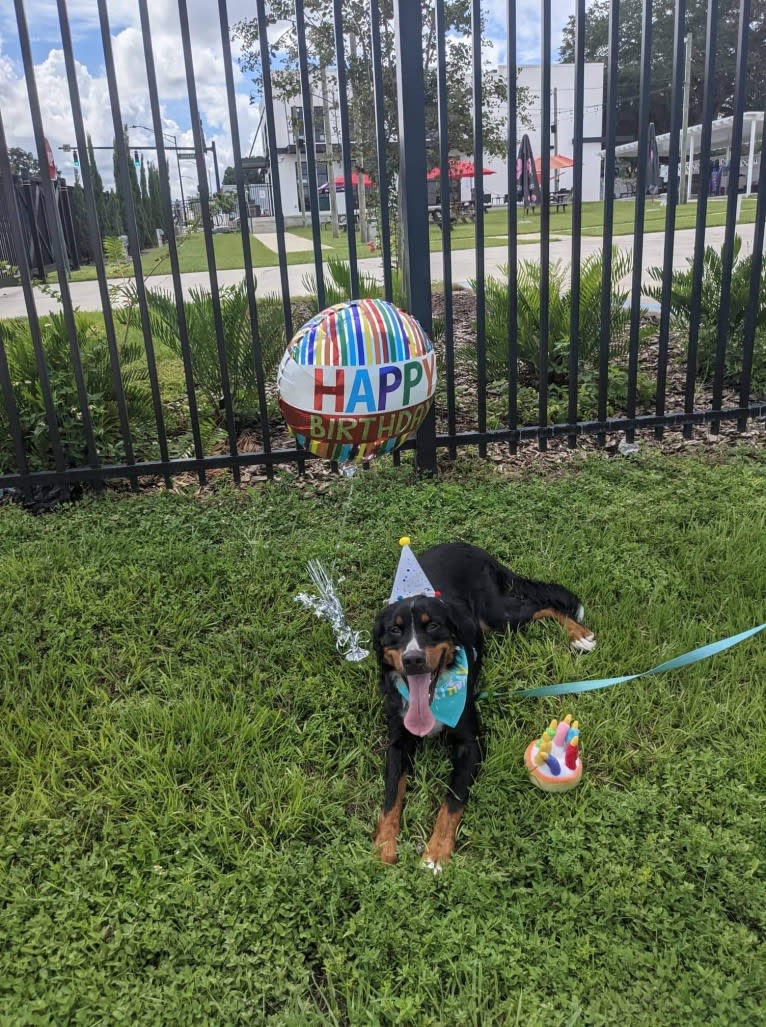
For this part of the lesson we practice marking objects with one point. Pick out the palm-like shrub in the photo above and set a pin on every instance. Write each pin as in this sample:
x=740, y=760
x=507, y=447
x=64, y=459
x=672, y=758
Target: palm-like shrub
x=203, y=346
x=99, y=385
x=710, y=310
x=559, y=314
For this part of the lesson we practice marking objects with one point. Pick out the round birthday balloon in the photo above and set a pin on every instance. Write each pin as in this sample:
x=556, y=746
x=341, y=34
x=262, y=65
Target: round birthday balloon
x=357, y=380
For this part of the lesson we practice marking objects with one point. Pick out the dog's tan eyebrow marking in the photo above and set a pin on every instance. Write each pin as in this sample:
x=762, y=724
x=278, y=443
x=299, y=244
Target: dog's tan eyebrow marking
x=399, y=621
x=424, y=618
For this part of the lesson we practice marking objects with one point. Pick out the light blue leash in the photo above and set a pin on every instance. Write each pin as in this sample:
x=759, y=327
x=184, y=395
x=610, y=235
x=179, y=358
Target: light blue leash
x=573, y=687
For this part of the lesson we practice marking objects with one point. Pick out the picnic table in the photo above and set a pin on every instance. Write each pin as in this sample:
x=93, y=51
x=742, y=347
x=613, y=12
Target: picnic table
x=559, y=199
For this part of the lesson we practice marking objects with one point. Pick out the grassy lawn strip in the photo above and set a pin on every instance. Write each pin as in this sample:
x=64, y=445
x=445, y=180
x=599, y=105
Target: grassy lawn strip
x=228, y=248
x=190, y=773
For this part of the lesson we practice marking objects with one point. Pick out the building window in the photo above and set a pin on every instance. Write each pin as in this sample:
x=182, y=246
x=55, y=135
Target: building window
x=302, y=173
x=296, y=117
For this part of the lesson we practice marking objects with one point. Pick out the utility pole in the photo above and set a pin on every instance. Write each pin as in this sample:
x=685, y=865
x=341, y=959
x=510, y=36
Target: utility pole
x=682, y=189
x=555, y=135
x=329, y=153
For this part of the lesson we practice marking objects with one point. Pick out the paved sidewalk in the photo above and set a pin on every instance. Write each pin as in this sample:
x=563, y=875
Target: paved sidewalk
x=85, y=295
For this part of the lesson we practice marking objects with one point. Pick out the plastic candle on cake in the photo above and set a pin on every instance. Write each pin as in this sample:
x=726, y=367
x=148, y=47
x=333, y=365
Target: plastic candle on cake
x=356, y=380
x=553, y=759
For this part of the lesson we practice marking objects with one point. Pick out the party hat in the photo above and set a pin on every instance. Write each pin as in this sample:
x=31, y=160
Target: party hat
x=410, y=577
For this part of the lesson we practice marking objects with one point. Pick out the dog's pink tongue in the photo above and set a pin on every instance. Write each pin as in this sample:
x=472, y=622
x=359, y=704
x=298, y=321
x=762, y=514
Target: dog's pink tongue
x=418, y=719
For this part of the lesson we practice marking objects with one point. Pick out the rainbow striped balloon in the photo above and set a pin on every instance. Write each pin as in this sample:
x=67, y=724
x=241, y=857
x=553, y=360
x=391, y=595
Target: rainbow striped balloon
x=356, y=380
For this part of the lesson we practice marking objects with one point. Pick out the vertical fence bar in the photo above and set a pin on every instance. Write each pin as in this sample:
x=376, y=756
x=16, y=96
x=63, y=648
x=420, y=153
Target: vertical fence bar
x=446, y=219
x=731, y=210
x=702, y=194
x=345, y=135
x=380, y=141
x=130, y=214
x=310, y=145
x=56, y=240
x=207, y=227
x=271, y=137
x=512, y=143
x=414, y=195
x=478, y=192
x=679, y=58
x=756, y=271
x=640, y=208
x=606, y=249
x=167, y=211
x=95, y=236
x=545, y=217
x=244, y=227
x=577, y=149
x=276, y=187
x=25, y=274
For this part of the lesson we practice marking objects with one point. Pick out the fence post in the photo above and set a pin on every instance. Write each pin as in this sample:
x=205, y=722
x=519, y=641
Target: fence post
x=413, y=199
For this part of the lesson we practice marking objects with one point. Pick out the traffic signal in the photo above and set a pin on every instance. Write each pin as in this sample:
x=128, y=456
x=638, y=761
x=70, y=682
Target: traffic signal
x=136, y=159
x=75, y=159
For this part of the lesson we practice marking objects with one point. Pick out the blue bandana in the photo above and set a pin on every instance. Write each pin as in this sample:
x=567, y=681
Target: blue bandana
x=450, y=693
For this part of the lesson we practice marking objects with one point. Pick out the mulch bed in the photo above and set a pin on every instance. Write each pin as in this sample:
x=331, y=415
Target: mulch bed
x=528, y=456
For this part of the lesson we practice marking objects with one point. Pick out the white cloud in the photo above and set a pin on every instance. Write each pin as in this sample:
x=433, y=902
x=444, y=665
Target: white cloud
x=127, y=46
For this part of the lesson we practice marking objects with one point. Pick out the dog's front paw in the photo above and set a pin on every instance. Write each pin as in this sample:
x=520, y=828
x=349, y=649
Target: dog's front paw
x=384, y=843
x=433, y=864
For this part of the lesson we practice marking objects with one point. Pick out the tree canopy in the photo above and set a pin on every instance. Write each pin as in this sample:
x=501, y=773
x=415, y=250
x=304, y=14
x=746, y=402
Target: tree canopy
x=356, y=24
x=629, y=62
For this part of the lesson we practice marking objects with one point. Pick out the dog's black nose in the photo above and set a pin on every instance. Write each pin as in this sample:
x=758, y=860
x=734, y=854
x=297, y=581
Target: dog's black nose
x=414, y=663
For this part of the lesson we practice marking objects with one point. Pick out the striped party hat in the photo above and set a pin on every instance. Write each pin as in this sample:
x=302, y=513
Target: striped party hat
x=410, y=577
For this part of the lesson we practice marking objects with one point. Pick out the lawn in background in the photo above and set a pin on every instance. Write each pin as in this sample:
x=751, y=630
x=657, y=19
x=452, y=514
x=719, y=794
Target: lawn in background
x=190, y=774
x=228, y=248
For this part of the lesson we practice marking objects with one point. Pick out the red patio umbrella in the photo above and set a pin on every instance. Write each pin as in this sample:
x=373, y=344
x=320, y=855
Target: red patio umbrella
x=459, y=169
x=557, y=163
x=340, y=181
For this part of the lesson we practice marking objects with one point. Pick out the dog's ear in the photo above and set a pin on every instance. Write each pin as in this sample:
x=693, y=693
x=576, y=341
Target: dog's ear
x=378, y=629
x=464, y=627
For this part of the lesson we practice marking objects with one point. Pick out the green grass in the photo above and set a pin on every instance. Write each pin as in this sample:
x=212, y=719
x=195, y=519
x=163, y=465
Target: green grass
x=190, y=774
x=228, y=248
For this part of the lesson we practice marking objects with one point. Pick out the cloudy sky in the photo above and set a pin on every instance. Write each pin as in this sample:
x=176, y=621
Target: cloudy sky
x=42, y=18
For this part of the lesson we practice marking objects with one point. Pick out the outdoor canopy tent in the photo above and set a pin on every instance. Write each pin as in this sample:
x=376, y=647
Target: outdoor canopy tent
x=752, y=133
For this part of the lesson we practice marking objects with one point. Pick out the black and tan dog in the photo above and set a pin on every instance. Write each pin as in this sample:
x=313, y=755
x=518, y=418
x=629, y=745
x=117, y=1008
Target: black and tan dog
x=418, y=638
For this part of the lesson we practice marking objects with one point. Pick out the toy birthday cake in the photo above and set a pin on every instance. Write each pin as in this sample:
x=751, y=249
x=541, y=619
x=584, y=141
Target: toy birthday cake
x=553, y=759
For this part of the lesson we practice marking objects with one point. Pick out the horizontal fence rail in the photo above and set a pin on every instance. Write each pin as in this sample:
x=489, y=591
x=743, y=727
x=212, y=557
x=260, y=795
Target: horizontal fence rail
x=385, y=156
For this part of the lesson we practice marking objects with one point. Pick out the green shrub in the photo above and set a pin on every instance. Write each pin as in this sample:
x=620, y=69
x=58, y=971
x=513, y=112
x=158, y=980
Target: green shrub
x=200, y=324
x=559, y=312
x=102, y=400
x=710, y=309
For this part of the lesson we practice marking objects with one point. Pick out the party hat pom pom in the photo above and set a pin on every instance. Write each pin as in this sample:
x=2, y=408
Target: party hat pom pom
x=404, y=540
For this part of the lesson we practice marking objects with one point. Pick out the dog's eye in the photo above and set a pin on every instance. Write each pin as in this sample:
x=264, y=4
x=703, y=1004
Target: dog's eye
x=432, y=626
x=395, y=630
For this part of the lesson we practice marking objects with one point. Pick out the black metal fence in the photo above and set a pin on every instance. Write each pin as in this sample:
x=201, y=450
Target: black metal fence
x=496, y=386
x=37, y=227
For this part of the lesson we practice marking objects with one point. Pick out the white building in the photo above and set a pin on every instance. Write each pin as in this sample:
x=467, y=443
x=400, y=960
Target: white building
x=562, y=82
x=289, y=137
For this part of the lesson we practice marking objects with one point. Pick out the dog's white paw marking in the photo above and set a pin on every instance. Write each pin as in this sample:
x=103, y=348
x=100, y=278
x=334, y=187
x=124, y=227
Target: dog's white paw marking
x=432, y=864
x=580, y=615
x=586, y=644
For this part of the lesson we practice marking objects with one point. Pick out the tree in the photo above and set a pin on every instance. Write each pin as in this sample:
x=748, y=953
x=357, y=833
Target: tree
x=321, y=47
x=23, y=162
x=155, y=196
x=145, y=239
x=146, y=204
x=98, y=188
x=663, y=12
x=253, y=176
